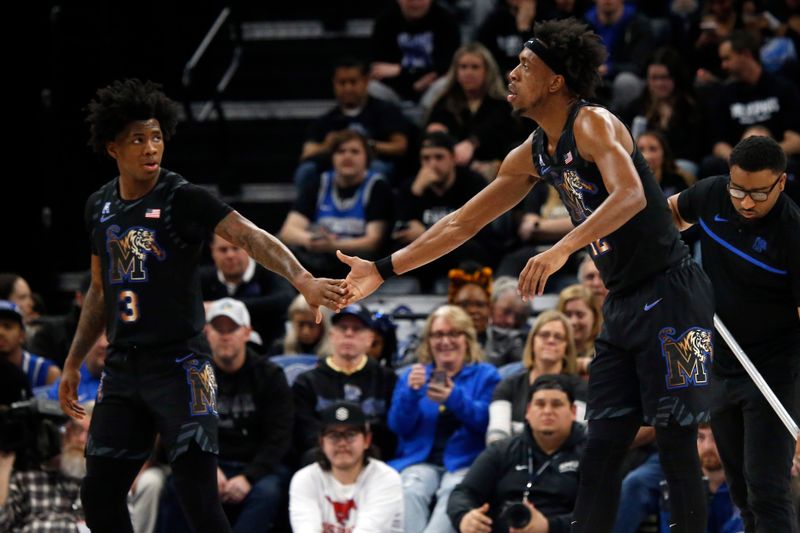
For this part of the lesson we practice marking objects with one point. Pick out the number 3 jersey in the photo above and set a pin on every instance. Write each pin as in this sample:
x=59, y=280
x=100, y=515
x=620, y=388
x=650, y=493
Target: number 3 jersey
x=149, y=250
x=645, y=245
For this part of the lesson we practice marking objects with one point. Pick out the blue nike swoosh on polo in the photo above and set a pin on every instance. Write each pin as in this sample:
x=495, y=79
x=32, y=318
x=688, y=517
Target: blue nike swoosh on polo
x=649, y=306
x=103, y=219
x=718, y=218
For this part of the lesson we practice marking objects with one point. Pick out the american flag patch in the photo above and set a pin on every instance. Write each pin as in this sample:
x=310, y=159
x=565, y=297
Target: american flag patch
x=568, y=158
x=153, y=213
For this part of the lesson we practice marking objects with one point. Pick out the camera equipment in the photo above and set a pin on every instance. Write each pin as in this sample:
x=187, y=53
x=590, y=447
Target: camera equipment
x=30, y=429
x=517, y=514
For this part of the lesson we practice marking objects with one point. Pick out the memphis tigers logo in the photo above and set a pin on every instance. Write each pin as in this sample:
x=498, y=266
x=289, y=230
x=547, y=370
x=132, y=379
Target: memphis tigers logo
x=128, y=251
x=572, y=189
x=202, y=387
x=686, y=356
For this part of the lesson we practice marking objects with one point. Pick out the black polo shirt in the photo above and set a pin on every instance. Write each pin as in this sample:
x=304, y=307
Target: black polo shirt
x=755, y=269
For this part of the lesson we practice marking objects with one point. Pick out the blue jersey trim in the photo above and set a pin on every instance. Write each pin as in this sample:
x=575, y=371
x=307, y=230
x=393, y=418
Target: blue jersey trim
x=740, y=253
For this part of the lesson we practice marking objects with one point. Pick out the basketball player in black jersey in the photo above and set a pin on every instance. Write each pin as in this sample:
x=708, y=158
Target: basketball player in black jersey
x=652, y=356
x=147, y=230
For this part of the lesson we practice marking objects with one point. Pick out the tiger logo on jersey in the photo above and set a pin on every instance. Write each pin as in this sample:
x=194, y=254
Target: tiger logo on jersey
x=686, y=356
x=202, y=386
x=572, y=189
x=128, y=252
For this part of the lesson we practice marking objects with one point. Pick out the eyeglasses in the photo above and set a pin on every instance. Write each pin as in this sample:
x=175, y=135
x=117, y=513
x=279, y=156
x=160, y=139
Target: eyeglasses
x=757, y=196
x=546, y=335
x=338, y=436
x=441, y=335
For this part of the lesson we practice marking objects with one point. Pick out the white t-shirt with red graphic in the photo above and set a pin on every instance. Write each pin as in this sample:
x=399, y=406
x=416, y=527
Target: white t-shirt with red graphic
x=318, y=503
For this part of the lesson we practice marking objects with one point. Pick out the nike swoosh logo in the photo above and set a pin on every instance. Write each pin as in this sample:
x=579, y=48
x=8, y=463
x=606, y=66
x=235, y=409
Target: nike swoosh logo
x=718, y=218
x=649, y=306
x=104, y=218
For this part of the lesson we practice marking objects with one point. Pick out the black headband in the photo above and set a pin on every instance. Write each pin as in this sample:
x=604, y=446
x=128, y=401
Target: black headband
x=556, y=65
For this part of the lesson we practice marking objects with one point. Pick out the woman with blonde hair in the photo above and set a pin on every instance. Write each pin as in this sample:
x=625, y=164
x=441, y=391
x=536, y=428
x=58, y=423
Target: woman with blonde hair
x=439, y=412
x=550, y=349
x=581, y=308
x=472, y=108
x=304, y=335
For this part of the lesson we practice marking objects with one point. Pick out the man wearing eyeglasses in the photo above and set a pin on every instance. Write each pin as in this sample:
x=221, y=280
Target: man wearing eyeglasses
x=346, y=489
x=348, y=374
x=751, y=251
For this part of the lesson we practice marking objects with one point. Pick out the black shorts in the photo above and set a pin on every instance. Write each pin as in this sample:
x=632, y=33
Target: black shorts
x=170, y=390
x=654, y=352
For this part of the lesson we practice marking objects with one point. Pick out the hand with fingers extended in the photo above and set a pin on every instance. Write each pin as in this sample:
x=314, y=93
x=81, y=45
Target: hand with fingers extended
x=68, y=391
x=363, y=278
x=533, y=277
x=476, y=521
x=330, y=293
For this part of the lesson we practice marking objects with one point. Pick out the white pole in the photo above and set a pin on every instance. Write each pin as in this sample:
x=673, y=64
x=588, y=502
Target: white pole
x=755, y=375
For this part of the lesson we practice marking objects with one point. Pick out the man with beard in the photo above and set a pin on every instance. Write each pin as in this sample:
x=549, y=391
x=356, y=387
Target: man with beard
x=751, y=250
x=47, y=499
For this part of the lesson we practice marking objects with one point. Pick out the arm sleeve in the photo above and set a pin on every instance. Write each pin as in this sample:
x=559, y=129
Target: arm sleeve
x=405, y=414
x=382, y=507
x=473, y=411
x=304, y=512
x=477, y=487
x=277, y=417
x=197, y=212
x=692, y=200
x=560, y=523
x=87, y=220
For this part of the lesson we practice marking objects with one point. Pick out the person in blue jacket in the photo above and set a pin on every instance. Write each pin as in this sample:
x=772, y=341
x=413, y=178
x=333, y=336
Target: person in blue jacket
x=91, y=373
x=440, y=410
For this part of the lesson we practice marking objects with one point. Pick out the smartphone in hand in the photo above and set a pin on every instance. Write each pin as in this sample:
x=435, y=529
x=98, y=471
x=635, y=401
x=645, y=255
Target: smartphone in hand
x=438, y=377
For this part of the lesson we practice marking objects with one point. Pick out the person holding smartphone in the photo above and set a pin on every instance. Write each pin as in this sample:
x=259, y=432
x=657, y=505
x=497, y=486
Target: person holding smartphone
x=439, y=411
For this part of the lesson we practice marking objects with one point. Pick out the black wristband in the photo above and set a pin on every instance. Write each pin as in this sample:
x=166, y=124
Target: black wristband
x=385, y=268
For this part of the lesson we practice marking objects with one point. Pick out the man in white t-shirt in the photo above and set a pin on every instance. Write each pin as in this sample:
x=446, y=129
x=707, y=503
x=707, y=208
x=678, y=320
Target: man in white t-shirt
x=346, y=491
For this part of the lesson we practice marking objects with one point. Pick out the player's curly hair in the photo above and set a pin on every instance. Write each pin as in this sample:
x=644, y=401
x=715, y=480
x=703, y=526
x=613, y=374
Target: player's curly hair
x=578, y=48
x=126, y=101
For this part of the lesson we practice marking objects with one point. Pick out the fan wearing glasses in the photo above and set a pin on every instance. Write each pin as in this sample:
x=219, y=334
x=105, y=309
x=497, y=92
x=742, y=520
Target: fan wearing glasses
x=751, y=252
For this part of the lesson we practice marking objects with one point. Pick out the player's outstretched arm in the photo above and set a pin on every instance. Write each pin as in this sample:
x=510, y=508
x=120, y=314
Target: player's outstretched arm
x=91, y=325
x=601, y=138
x=514, y=180
x=272, y=254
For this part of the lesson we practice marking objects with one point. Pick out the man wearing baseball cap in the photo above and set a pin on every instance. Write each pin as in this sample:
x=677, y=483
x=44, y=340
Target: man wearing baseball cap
x=346, y=489
x=348, y=374
x=255, y=409
x=39, y=370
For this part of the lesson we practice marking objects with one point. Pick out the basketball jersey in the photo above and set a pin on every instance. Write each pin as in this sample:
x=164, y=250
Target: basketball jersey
x=344, y=217
x=645, y=245
x=150, y=278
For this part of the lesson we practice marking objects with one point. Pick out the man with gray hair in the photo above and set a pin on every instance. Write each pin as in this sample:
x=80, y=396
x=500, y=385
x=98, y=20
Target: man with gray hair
x=508, y=326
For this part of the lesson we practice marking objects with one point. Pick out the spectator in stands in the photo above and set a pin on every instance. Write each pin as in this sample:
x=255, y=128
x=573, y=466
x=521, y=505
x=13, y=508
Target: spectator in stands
x=505, y=29
x=235, y=274
x=472, y=108
x=91, y=373
x=508, y=323
x=657, y=152
x=578, y=304
x=439, y=411
x=627, y=35
x=39, y=370
x=47, y=498
x=14, y=386
x=716, y=23
x=346, y=489
x=538, y=467
x=589, y=277
x=347, y=208
x=439, y=188
x=471, y=290
x=549, y=349
x=752, y=96
x=384, y=342
x=14, y=288
x=255, y=425
x=668, y=105
x=304, y=334
x=382, y=124
x=347, y=374
x=412, y=45
x=54, y=335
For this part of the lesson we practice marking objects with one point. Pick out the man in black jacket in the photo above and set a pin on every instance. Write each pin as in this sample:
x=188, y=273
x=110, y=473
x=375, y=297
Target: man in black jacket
x=256, y=414
x=538, y=468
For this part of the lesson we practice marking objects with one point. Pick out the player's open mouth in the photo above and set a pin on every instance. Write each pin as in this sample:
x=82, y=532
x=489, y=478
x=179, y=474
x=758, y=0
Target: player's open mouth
x=151, y=166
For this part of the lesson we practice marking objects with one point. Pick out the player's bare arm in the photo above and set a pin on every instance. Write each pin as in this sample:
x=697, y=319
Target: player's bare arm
x=601, y=138
x=677, y=219
x=514, y=180
x=272, y=254
x=91, y=325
